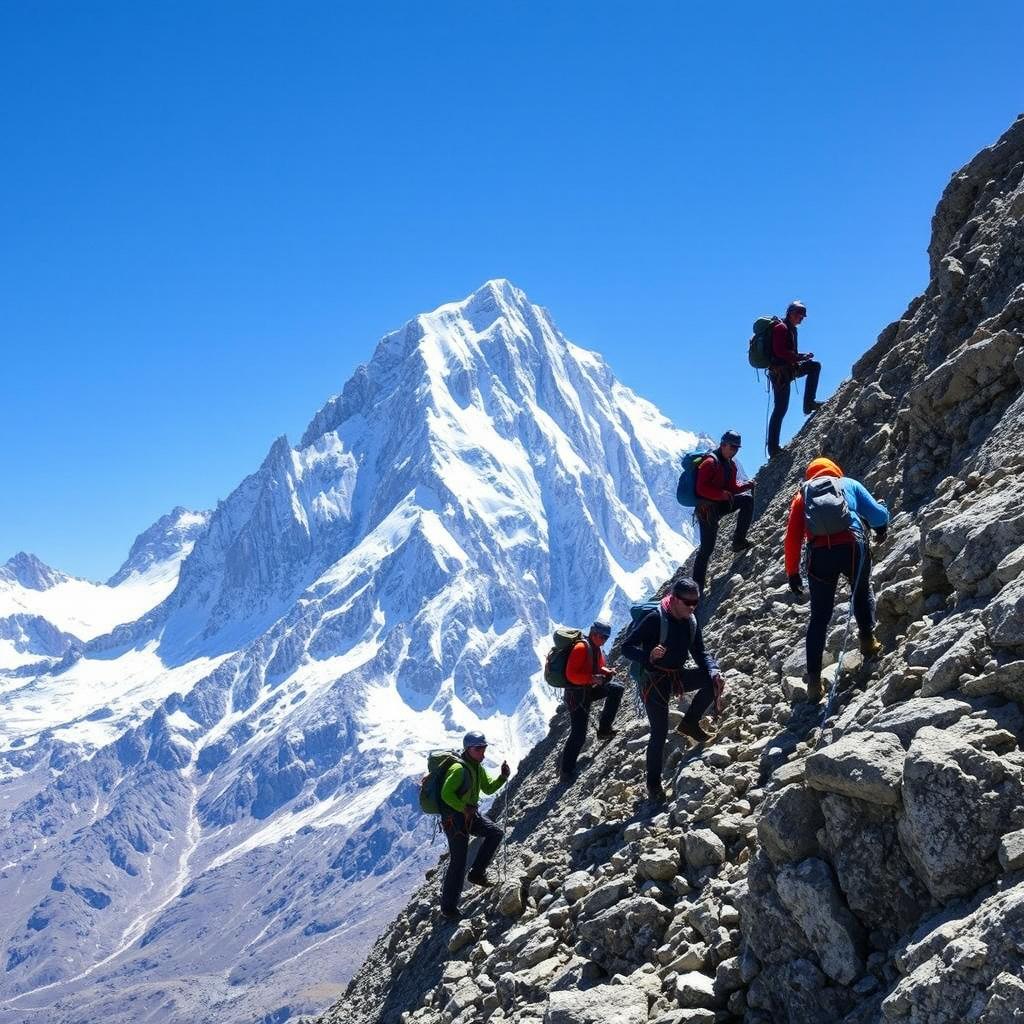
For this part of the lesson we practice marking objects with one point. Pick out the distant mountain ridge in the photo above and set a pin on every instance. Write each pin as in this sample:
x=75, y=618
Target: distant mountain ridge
x=374, y=592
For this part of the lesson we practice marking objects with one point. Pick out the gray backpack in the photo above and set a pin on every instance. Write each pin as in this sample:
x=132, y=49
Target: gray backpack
x=825, y=509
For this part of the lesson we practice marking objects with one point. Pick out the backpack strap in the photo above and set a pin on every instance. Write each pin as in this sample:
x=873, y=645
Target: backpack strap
x=467, y=782
x=662, y=626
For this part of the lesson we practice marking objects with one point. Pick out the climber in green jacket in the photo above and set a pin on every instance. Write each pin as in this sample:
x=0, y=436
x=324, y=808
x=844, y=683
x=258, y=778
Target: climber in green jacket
x=462, y=818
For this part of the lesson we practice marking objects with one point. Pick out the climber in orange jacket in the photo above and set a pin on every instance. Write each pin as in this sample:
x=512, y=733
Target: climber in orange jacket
x=827, y=511
x=589, y=681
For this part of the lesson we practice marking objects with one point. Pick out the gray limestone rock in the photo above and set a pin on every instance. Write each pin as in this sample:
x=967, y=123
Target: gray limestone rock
x=703, y=847
x=603, y=1004
x=789, y=823
x=906, y=718
x=693, y=989
x=957, y=801
x=865, y=765
x=1011, y=851
x=809, y=893
x=874, y=875
x=626, y=934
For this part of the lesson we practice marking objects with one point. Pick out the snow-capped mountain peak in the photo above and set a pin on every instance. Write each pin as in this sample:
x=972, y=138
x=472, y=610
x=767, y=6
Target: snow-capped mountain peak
x=165, y=543
x=30, y=572
x=372, y=593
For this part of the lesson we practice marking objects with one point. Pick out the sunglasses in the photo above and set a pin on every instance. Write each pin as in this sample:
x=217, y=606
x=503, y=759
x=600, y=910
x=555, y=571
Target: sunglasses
x=690, y=602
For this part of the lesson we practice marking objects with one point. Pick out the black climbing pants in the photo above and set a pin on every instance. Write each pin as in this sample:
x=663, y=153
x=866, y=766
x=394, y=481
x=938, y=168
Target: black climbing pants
x=657, y=690
x=709, y=513
x=457, y=833
x=577, y=702
x=781, y=384
x=824, y=567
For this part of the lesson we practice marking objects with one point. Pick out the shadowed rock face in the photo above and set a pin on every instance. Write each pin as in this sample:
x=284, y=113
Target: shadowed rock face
x=872, y=847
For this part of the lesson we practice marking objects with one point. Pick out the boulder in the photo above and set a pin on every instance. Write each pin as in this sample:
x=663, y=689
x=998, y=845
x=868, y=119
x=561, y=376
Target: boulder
x=1011, y=851
x=693, y=989
x=577, y=885
x=626, y=934
x=864, y=765
x=660, y=865
x=1004, y=617
x=904, y=720
x=789, y=823
x=809, y=893
x=957, y=802
x=703, y=847
x=603, y=1004
x=877, y=880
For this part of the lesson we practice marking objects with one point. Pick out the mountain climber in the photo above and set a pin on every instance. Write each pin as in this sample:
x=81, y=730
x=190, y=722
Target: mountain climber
x=460, y=797
x=589, y=681
x=827, y=510
x=665, y=673
x=718, y=495
x=787, y=364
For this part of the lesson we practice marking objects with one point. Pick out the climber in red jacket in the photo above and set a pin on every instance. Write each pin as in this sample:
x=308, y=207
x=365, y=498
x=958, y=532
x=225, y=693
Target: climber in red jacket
x=589, y=681
x=787, y=364
x=718, y=495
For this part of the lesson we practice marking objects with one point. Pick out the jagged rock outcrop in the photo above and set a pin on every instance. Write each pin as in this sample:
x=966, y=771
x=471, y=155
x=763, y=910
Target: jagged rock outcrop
x=858, y=861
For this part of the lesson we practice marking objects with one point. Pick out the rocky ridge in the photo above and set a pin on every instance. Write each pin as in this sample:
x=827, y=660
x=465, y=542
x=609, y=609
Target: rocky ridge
x=857, y=861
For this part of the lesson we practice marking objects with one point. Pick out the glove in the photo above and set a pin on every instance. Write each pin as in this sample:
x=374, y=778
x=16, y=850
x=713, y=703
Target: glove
x=505, y=770
x=796, y=584
x=881, y=533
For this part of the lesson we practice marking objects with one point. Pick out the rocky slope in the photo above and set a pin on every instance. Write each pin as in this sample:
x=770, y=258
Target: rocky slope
x=857, y=861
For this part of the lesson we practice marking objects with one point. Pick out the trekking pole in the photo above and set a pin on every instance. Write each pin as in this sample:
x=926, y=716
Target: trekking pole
x=767, y=407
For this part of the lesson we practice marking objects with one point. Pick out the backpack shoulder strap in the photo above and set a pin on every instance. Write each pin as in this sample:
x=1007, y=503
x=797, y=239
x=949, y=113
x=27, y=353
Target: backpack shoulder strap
x=467, y=782
x=663, y=626
x=693, y=630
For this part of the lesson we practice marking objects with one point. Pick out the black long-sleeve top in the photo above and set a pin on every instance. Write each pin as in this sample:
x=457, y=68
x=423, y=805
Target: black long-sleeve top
x=645, y=636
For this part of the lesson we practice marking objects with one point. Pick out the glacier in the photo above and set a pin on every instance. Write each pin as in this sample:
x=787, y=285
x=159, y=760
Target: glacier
x=196, y=764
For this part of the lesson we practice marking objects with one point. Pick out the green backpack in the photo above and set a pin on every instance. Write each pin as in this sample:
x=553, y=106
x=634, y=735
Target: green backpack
x=759, y=349
x=438, y=763
x=563, y=640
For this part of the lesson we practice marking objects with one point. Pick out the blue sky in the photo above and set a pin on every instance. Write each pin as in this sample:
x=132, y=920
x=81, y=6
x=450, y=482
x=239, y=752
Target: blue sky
x=210, y=212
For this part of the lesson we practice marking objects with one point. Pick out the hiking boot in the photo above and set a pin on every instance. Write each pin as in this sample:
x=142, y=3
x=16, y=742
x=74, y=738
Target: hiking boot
x=482, y=880
x=812, y=408
x=656, y=794
x=741, y=545
x=451, y=915
x=869, y=646
x=605, y=735
x=814, y=690
x=693, y=731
